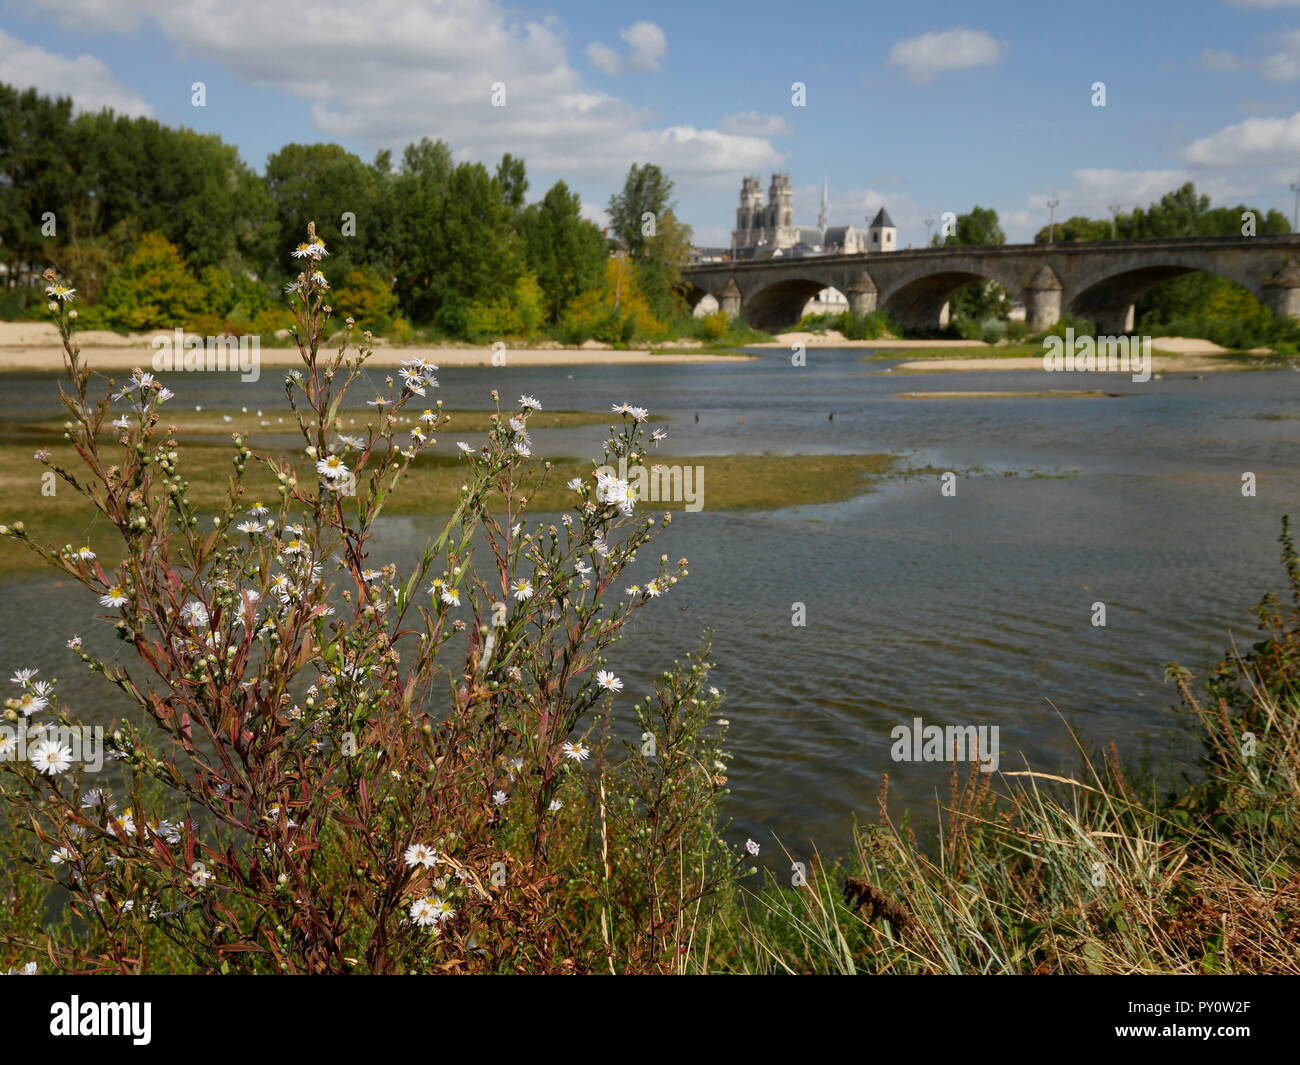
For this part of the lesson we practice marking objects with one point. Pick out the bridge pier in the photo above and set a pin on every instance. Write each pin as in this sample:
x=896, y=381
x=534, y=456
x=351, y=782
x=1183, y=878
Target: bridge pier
x=1043, y=300
x=729, y=300
x=1281, y=292
x=862, y=295
x=1114, y=321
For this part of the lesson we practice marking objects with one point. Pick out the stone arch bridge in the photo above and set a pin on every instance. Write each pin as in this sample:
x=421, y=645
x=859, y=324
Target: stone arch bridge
x=1098, y=280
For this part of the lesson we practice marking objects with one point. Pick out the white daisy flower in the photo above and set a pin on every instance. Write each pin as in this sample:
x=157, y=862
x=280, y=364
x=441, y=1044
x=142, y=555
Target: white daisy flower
x=420, y=854
x=523, y=589
x=608, y=681
x=194, y=614
x=29, y=704
x=51, y=756
x=529, y=403
x=310, y=249
x=499, y=797
x=423, y=912
x=576, y=751
x=332, y=467
x=116, y=596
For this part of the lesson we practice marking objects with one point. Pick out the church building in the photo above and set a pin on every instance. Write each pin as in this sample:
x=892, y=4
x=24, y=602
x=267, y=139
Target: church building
x=767, y=230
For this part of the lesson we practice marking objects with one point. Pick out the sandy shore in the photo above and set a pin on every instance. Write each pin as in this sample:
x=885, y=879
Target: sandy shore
x=1169, y=355
x=833, y=339
x=35, y=346
x=1160, y=364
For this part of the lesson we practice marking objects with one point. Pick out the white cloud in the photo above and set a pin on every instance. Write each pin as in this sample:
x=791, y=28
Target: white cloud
x=389, y=72
x=1253, y=142
x=88, y=81
x=1282, y=65
x=753, y=124
x=646, y=47
x=604, y=58
x=925, y=57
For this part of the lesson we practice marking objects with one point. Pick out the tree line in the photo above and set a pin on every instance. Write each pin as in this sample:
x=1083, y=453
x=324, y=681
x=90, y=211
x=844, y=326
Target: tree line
x=161, y=225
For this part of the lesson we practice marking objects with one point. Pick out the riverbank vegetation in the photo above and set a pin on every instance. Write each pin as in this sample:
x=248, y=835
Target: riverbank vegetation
x=164, y=226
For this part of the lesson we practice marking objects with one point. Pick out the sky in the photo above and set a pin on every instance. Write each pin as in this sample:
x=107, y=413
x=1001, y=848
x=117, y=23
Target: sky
x=924, y=107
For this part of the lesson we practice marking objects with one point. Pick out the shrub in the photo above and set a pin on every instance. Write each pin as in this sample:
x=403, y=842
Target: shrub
x=332, y=766
x=367, y=298
x=713, y=326
x=152, y=289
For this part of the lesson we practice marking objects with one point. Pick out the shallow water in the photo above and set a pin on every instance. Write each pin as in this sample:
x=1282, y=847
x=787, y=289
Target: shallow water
x=974, y=609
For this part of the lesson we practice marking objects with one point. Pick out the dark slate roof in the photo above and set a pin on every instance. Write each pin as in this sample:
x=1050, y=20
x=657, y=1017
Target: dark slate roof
x=835, y=234
x=810, y=235
x=882, y=219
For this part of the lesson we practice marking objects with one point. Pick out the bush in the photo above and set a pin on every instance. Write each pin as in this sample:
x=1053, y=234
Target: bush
x=152, y=289
x=713, y=327
x=367, y=298
x=299, y=792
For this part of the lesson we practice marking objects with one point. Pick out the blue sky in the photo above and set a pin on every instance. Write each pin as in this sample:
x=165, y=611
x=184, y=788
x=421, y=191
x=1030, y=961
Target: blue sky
x=925, y=107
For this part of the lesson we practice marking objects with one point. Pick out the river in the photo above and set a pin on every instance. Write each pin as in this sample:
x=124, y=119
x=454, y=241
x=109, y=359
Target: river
x=971, y=609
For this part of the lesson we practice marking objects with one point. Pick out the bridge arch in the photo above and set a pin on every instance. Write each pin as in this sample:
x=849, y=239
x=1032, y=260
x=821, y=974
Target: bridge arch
x=694, y=294
x=780, y=304
x=920, y=303
x=1109, y=301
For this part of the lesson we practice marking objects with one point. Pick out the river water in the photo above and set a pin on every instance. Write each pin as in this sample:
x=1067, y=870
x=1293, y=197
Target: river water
x=974, y=609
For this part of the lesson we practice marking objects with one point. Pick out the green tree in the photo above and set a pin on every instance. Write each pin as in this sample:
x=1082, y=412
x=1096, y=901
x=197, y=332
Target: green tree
x=565, y=251
x=328, y=185
x=978, y=300
x=646, y=197
x=644, y=222
x=512, y=178
x=978, y=226
x=1074, y=230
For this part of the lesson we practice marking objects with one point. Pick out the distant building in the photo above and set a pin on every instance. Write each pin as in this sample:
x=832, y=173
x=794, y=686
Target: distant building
x=768, y=230
x=882, y=232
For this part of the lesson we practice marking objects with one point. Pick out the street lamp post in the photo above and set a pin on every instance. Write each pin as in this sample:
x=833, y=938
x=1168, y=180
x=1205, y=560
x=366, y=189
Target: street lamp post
x=1051, y=231
x=1295, y=211
x=1114, y=220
